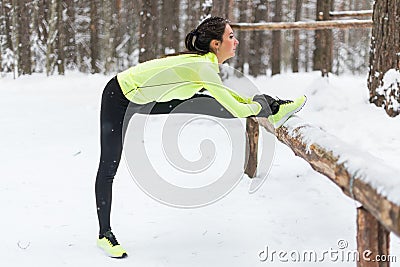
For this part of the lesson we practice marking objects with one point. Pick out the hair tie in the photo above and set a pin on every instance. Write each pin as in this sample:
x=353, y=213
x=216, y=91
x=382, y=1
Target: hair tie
x=194, y=33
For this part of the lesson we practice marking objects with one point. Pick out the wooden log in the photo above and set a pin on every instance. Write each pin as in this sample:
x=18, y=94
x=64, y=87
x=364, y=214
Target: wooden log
x=302, y=25
x=344, y=172
x=372, y=241
x=252, y=132
x=359, y=13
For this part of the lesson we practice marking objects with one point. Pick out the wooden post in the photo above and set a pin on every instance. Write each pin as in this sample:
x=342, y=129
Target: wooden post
x=252, y=131
x=372, y=240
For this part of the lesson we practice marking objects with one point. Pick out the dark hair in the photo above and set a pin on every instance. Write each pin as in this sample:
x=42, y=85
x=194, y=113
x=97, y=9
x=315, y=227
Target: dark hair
x=199, y=39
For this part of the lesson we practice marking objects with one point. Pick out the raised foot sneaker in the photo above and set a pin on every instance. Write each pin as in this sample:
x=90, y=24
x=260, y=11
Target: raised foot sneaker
x=286, y=109
x=109, y=244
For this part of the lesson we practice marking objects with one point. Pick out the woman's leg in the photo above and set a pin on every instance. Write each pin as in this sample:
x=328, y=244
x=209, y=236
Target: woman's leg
x=113, y=109
x=197, y=104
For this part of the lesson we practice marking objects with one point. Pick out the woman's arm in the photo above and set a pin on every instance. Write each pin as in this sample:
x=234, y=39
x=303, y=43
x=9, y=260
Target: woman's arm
x=237, y=105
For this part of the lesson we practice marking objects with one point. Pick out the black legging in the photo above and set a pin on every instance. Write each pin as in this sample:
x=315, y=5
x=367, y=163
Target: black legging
x=114, y=109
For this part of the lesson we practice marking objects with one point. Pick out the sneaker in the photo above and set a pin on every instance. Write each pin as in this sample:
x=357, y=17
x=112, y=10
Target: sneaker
x=109, y=244
x=286, y=109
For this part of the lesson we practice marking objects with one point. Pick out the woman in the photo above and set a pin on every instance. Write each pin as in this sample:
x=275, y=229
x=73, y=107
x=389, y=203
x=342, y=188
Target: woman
x=160, y=85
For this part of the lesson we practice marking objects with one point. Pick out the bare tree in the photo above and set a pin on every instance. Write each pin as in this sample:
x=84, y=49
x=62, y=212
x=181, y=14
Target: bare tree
x=94, y=37
x=3, y=34
x=170, y=26
x=308, y=39
x=323, y=40
x=148, y=37
x=24, y=62
x=296, y=38
x=109, y=22
x=222, y=8
x=52, y=37
x=206, y=9
x=132, y=33
x=276, y=40
x=258, y=46
x=193, y=14
x=14, y=34
x=60, y=38
x=384, y=56
x=106, y=36
x=69, y=31
x=242, y=51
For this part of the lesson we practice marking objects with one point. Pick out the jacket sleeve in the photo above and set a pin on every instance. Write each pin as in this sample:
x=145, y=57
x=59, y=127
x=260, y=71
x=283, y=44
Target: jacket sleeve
x=237, y=105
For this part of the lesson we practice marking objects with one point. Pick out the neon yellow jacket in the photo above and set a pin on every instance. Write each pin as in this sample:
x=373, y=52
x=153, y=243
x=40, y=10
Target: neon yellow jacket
x=180, y=77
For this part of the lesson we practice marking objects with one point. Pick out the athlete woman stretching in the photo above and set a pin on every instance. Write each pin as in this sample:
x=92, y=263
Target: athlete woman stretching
x=160, y=85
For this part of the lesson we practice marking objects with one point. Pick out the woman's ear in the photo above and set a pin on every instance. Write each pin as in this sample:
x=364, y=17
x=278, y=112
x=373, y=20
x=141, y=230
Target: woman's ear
x=215, y=45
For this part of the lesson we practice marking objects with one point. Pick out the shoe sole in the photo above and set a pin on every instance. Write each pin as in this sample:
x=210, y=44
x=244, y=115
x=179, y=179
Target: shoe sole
x=288, y=115
x=124, y=255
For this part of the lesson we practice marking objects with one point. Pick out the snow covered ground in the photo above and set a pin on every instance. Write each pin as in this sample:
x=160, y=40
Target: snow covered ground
x=50, y=149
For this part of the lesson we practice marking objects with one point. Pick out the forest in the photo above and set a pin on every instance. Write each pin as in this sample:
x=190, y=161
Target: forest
x=98, y=36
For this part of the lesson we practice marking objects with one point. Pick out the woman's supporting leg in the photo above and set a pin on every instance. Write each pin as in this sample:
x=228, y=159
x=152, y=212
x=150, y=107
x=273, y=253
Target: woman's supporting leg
x=113, y=109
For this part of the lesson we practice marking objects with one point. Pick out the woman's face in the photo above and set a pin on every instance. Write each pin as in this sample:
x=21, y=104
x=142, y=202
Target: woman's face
x=226, y=49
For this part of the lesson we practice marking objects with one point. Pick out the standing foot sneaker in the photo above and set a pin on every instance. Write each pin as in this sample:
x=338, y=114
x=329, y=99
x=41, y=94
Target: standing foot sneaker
x=286, y=109
x=109, y=244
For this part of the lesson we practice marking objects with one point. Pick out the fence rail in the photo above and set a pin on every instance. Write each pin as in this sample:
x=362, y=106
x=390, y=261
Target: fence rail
x=359, y=13
x=303, y=25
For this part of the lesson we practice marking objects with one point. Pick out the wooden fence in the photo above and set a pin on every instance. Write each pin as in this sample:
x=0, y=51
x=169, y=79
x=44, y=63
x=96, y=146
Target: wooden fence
x=378, y=216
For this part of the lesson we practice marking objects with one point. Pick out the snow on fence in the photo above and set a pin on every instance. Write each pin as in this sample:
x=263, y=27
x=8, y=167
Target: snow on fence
x=359, y=174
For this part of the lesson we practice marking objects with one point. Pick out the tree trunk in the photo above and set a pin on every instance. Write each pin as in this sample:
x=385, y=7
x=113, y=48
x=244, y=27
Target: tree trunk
x=242, y=51
x=61, y=38
x=24, y=62
x=170, y=26
x=70, y=49
x=132, y=21
x=3, y=33
x=222, y=8
x=308, y=39
x=384, y=56
x=206, y=9
x=323, y=40
x=15, y=36
x=296, y=38
x=276, y=40
x=218, y=8
x=110, y=19
x=193, y=15
x=257, y=51
x=94, y=37
x=148, y=34
x=52, y=38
